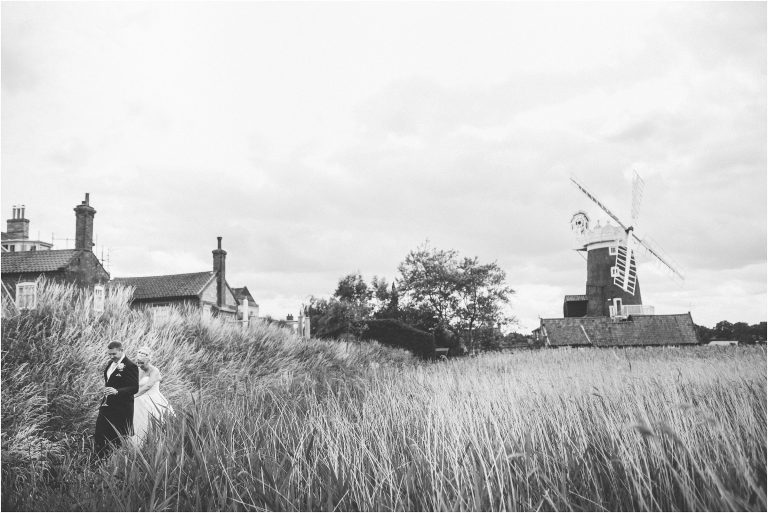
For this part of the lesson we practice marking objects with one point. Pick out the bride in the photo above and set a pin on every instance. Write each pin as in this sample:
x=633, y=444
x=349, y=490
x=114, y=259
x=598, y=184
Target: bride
x=148, y=402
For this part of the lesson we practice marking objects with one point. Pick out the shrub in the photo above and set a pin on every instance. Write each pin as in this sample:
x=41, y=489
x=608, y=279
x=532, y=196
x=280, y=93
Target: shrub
x=394, y=333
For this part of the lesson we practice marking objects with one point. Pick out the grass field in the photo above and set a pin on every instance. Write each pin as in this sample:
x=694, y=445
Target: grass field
x=269, y=422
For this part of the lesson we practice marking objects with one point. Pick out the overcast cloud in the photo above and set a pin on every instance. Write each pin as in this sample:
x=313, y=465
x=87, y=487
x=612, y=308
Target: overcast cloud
x=322, y=139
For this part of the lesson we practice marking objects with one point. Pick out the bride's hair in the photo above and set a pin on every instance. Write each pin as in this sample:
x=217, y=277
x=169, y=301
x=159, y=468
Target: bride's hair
x=145, y=350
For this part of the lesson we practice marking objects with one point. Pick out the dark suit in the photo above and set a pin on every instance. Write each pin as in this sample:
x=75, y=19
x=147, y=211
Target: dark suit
x=116, y=411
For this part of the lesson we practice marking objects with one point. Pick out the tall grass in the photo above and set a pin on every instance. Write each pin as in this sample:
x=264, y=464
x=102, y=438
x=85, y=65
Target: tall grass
x=269, y=422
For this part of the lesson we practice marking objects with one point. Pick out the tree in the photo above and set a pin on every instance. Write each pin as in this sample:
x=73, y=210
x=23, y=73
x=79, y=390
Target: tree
x=442, y=291
x=344, y=313
x=723, y=330
x=482, y=293
x=340, y=319
x=353, y=289
x=428, y=279
x=383, y=299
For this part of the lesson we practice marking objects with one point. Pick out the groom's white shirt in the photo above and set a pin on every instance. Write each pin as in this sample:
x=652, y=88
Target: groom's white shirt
x=113, y=366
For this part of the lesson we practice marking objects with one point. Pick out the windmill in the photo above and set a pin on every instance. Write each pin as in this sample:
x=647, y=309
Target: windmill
x=612, y=280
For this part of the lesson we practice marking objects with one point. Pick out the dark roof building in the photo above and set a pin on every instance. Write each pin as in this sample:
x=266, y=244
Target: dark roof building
x=208, y=290
x=169, y=286
x=241, y=294
x=79, y=265
x=634, y=330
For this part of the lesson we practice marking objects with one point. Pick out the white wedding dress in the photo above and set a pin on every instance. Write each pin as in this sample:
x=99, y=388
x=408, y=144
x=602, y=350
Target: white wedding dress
x=150, y=404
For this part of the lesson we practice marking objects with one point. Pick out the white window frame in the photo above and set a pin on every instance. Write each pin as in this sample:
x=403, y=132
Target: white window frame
x=614, y=272
x=613, y=250
x=161, y=312
x=26, y=295
x=99, y=298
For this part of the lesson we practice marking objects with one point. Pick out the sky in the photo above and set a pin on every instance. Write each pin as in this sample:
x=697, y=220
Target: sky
x=322, y=139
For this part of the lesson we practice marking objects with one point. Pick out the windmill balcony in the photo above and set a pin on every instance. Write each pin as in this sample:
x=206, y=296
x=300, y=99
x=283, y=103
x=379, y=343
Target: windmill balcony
x=627, y=310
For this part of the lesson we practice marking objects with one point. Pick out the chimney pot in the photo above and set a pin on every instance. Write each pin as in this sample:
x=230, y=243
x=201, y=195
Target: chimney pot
x=219, y=239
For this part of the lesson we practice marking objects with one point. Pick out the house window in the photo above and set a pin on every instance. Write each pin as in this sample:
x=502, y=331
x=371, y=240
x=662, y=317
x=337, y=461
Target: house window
x=26, y=296
x=33, y=248
x=98, y=298
x=160, y=312
x=12, y=247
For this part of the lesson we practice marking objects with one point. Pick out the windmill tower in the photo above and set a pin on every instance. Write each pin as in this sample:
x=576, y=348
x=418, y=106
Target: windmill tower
x=613, y=288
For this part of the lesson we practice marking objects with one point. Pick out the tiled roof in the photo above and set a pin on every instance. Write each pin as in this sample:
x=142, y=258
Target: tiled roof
x=36, y=261
x=167, y=286
x=636, y=330
x=572, y=297
x=241, y=292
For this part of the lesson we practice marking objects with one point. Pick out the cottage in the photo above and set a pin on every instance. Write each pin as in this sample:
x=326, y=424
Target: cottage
x=207, y=290
x=252, y=307
x=633, y=330
x=24, y=261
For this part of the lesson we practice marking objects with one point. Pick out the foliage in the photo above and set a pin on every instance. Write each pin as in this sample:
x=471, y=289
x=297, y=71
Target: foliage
x=428, y=279
x=436, y=291
x=353, y=289
x=394, y=333
x=444, y=337
x=740, y=331
x=481, y=293
x=334, y=318
x=443, y=289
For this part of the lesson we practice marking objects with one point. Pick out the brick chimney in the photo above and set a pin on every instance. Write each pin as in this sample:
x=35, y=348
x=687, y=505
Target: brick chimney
x=84, y=213
x=220, y=268
x=18, y=225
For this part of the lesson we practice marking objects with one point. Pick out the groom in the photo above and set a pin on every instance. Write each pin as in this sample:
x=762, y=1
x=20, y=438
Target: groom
x=121, y=381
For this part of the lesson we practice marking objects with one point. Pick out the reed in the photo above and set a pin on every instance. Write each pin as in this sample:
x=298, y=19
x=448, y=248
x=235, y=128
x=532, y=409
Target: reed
x=269, y=422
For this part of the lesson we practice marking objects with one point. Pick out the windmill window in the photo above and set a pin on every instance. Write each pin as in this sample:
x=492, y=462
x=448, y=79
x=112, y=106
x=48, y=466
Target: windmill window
x=98, y=298
x=613, y=250
x=614, y=272
x=26, y=296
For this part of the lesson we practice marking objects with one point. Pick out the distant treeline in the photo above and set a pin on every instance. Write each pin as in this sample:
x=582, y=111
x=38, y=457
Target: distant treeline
x=458, y=301
x=741, y=331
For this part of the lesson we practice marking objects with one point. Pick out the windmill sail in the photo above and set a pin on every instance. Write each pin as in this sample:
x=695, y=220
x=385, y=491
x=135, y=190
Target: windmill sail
x=664, y=261
x=638, y=185
x=599, y=204
x=625, y=273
